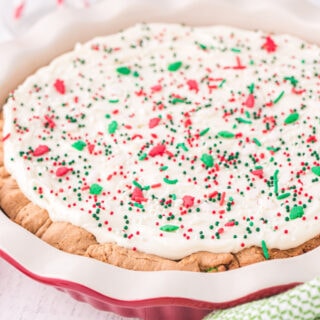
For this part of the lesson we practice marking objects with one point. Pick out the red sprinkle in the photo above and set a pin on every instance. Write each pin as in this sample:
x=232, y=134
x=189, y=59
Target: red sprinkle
x=49, y=122
x=140, y=93
x=157, y=150
x=18, y=11
x=156, y=88
x=41, y=150
x=223, y=197
x=269, y=104
x=213, y=194
x=193, y=85
x=6, y=137
x=61, y=171
x=258, y=173
x=169, y=117
x=170, y=154
x=221, y=230
x=91, y=147
x=295, y=91
x=60, y=86
x=188, y=201
x=250, y=101
x=136, y=136
x=239, y=65
x=269, y=45
x=154, y=122
x=187, y=123
x=312, y=139
x=137, y=195
x=95, y=47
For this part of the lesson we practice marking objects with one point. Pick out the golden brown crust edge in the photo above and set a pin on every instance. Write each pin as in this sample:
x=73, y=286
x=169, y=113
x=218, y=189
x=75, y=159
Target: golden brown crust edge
x=69, y=238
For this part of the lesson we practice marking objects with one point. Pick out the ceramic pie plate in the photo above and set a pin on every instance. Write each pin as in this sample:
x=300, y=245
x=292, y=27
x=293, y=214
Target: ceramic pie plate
x=161, y=294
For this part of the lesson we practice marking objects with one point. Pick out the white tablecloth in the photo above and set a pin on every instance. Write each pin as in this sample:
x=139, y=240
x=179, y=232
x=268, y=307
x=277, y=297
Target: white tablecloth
x=22, y=298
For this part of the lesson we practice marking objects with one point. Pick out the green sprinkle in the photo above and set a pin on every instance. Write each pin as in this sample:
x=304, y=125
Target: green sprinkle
x=212, y=269
x=79, y=145
x=276, y=100
x=207, y=159
x=95, y=189
x=182, y=146
x=226, y=134
x=143, y=156
x=235, y=50
x=251, y=88
x=137, y=184
x=124, y=70
x=113, y=125
x=138, y=205
x=202, y=46
x=168, y=181
x=169, y=228
x=284, y=196
x=163, y=168
x=114, y=100
x=203, y=132
x=136, y=74
x=175, y=66
x=257, y=142
x=316, y=170
x=241, y=120
x=222, y=83
x=178, y=100
x=265, y=249
x=275, y=181
x=173, y=196
x=291, y=118
x=273, y=149
x=108, y=116
x=292, y=80
x=296, y=212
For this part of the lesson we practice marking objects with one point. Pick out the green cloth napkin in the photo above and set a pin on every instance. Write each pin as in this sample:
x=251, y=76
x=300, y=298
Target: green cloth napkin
x=299, y=303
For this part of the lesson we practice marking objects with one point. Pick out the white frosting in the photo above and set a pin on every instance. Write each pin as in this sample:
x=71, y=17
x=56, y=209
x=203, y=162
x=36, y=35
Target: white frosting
x=210, y=59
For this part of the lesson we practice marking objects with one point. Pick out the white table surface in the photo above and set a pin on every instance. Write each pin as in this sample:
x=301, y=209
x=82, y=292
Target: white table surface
x=22, y=298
